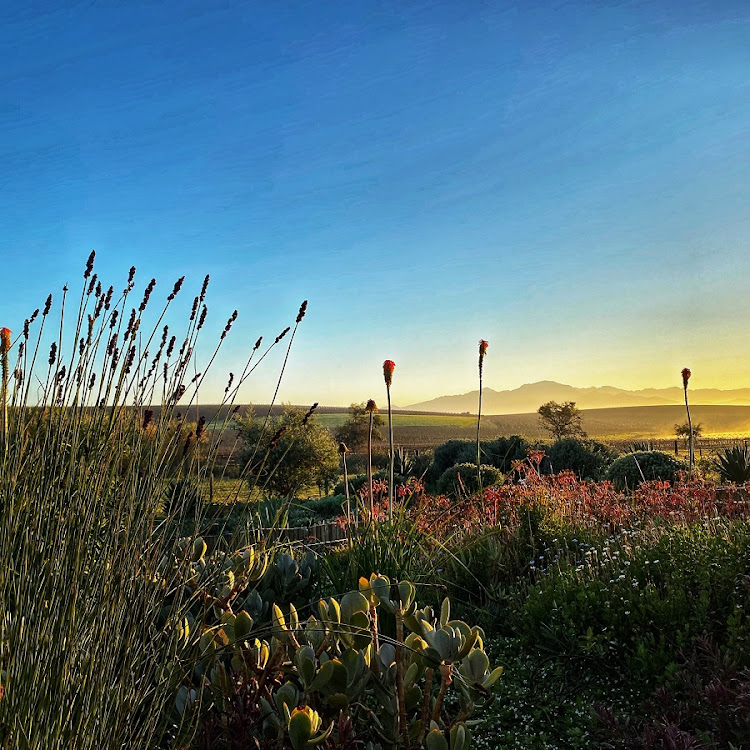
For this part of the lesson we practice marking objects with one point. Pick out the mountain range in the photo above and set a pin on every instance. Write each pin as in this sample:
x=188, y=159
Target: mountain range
x=528, y=398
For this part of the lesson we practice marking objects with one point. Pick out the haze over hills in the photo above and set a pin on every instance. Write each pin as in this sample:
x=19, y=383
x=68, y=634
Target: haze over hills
x=528, y=398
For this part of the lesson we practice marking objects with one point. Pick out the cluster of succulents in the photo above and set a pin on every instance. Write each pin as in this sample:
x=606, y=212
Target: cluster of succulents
x=370, y=669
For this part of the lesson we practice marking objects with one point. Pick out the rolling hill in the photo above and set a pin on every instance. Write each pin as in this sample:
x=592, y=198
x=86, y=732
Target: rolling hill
x=528, y=398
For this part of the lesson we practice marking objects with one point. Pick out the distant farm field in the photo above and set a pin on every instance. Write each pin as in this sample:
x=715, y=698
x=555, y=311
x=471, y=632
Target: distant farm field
x=617, y=424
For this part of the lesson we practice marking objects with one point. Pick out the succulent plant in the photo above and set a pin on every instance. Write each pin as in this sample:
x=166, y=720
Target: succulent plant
x=338, y=674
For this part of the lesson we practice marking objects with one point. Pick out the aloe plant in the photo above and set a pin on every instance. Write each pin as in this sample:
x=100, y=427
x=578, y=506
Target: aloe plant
x=733, y=465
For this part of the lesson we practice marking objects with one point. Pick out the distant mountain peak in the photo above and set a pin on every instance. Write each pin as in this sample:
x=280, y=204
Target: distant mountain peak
x=529, y=397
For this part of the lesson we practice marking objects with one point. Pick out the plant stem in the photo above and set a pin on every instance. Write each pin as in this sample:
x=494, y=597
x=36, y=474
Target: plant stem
x=479, y=419
x=401, y=693
x=369, y=465
x=346, y=491
x=690, y=437
x=390, y=443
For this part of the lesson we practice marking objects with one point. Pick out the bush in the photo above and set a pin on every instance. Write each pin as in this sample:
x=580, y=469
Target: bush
x=462, y=479
x=449, y=454
x=295, y=452
x=305, y=512
x=504, y=452
x=500, y=453
x=629, y=471
x=587, y=459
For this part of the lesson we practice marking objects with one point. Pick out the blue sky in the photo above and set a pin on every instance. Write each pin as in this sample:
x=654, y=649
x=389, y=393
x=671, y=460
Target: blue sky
x=566, y=180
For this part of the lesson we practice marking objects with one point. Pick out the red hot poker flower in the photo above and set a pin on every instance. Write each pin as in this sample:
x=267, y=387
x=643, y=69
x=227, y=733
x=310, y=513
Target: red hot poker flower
x=685, y=377
x=388, y=367
x=4, y=340
x=483, y=347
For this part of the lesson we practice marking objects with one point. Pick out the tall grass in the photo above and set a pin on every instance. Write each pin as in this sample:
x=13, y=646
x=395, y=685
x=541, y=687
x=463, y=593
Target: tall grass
x=85, y=661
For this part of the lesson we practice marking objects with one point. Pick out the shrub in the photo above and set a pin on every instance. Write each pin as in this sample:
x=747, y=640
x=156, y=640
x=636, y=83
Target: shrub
x=449, y=454
x=297, y=452
x=501, y=453
x=504, y=452
x=629, y=471
x=733, y=465
x=462, y=479
x=587, y=459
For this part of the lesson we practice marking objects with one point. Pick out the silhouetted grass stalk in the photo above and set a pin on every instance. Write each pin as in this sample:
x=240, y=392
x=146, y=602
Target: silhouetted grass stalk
x=5, y=343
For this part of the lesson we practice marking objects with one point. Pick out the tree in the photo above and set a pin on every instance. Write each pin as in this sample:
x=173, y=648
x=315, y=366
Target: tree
x=561, y=420
x=683, y=431
x=292, y=453
x=354, y=431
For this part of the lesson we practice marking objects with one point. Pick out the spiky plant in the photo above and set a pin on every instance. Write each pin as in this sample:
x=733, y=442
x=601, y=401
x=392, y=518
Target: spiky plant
x=733, y=465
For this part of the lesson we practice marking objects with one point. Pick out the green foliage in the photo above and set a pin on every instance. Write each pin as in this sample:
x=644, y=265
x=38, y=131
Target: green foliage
x=400, y=548
x=449, y=454
x=462, y=480
x=289, y=453
x=683, y=430
x=182, y=496
x=630, y=470
x=501, y=453
x=354, y=432
x=642, y=604
x=587, y=459
x=350, y=653
x=733, y=465
x=504, y=452
x=561, y=420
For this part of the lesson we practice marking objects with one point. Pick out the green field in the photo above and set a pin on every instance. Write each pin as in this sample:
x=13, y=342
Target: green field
x=422, y=429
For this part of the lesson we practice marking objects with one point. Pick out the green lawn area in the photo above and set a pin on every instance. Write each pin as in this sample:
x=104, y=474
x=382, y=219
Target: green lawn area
x=336, y=419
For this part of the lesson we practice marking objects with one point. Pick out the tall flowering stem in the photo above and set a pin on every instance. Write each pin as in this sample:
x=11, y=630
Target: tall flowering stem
x=371, y=408
x=5, y=334
x=343, y=450
x=685, y=377
x=388, y=367
x=482, y=351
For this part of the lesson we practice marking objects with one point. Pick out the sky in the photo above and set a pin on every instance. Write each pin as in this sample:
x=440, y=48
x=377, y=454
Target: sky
x=569, y=181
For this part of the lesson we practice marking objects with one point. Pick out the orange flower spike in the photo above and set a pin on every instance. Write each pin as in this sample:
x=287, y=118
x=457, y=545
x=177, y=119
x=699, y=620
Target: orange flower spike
x=388, y=367
x=483, y=347
x=5, y=340
x=685, y=377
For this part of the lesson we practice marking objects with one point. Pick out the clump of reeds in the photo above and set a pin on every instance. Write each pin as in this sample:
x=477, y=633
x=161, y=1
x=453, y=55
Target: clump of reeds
x=92, y=436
